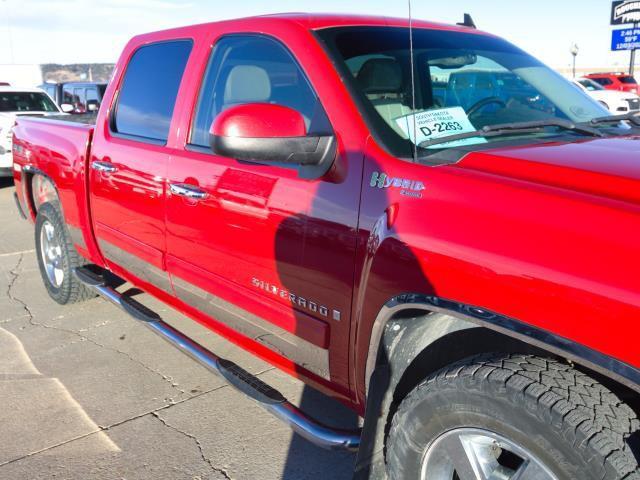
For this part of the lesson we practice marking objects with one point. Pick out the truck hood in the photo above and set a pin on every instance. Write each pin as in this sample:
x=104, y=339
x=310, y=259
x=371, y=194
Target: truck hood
x=612, y=95
x=608, y=167
x=34, y=113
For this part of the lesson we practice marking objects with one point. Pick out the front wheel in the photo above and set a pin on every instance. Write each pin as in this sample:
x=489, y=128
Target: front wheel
x=57, y=257
x=512, y=417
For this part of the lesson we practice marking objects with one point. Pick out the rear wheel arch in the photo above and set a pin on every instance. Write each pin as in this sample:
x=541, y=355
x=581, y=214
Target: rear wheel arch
x=42, y=189
x=57, y=257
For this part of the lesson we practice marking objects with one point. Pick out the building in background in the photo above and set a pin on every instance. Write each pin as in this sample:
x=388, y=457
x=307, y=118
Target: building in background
x=77, y=72
x=30, y=75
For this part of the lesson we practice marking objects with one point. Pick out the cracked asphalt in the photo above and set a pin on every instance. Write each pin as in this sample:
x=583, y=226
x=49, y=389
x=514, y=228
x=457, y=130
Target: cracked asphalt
x=89, y=393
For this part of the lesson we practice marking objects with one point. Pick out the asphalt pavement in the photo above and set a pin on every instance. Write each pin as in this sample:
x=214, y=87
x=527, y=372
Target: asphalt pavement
x=86, y=392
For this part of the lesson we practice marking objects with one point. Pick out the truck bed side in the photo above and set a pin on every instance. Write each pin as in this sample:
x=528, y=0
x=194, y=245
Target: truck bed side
x=58, y=150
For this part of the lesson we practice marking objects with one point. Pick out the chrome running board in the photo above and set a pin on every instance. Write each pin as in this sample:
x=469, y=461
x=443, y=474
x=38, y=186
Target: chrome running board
x=266, y=396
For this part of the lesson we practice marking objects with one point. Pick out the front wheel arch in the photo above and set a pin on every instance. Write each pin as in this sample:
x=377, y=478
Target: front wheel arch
x=544, y=405
x=414, y=343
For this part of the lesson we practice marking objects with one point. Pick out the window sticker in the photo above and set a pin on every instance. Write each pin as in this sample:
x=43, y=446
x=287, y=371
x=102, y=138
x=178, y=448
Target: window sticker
x=432, y=124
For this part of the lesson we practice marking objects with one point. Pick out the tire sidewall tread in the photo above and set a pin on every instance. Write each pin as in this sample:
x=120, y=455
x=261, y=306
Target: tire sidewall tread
x=569, y=421
x=71, y=290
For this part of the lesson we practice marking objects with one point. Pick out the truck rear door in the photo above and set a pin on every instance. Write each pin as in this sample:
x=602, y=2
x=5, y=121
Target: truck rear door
x=129, y=162
x=255, y=247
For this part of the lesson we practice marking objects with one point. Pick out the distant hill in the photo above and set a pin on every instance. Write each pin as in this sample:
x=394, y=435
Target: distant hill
x=96, y=72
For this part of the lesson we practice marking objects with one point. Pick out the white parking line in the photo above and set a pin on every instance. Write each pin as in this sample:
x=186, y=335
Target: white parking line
x=39, y=412
x=16, y=253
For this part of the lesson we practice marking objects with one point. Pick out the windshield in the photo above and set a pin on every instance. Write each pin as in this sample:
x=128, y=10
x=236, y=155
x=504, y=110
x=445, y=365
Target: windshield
x=627, y=79
x=26, y=102
x=463, y=82
x=590, y=84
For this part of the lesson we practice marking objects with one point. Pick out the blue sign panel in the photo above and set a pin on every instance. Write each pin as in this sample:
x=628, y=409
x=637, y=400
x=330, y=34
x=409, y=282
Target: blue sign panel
x=625, y=39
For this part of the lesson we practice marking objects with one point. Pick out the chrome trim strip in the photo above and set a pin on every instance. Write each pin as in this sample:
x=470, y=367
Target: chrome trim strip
x=76, y=236
x=305, y=426
x=303, y=353
x=604, y=364
x=141, y=269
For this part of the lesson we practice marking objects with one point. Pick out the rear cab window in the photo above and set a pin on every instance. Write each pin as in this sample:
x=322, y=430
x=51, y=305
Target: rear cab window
x=148, y=92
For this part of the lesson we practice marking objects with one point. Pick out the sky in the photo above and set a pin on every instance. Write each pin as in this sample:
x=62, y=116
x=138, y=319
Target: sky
x=79, y=31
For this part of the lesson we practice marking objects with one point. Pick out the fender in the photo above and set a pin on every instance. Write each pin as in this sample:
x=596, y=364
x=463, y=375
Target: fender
x=28, y=198
x=415, y=328
x=50, y=192
x=619, y=371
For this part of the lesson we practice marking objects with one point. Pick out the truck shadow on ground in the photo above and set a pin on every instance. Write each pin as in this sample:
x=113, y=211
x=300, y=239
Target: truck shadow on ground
x=6, y=182
x=306, y=460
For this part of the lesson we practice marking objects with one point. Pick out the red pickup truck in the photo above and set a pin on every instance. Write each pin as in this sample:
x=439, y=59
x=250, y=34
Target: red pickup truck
x=452, y=256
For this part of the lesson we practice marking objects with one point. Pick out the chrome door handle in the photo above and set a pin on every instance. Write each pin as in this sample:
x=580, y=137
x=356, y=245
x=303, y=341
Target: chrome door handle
x=186, y=190
x=106, y=167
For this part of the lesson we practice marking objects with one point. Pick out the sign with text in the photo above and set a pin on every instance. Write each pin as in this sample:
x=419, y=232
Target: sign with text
x=625, y=39
x=625, y=11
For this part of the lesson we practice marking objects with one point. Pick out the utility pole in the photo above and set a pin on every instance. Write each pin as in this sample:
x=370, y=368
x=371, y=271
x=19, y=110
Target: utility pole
x=574, y=53
x=632, y=62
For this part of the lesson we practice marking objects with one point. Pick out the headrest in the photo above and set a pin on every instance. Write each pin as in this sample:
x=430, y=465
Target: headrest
x=246, y=84
x=380, y=75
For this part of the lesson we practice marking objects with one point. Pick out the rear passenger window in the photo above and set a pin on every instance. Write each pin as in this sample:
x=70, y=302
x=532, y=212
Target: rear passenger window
x=252, y=69
x=149, y=90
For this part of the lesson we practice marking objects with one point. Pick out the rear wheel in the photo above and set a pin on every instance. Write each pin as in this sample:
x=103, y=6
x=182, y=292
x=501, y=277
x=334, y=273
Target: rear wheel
x=512, y=417
x=57, y=257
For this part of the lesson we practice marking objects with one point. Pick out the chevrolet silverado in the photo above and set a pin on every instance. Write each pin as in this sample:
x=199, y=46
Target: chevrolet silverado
x=449, y=252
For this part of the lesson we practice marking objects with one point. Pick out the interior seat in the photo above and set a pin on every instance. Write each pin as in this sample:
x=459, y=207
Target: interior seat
x=252, y=84
x=246, y=84
x=382, y=82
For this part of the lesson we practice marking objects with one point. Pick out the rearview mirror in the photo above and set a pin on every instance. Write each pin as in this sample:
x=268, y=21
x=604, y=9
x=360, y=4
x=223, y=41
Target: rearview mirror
x=67, y=107
x=271, y=135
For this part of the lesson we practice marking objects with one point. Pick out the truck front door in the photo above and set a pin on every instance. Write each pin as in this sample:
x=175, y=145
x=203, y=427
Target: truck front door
x=260, y=250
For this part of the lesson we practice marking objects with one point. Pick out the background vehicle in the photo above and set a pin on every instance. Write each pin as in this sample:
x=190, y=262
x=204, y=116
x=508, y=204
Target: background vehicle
x=467, y=87
x=76, y=97
x=615, y=81
x=615, y=102
x=15, y=102
x=461, y=275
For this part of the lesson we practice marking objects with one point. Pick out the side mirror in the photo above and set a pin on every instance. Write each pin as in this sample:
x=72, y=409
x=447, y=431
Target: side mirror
x=92, y=105
x=270, y=134
x=67, y=107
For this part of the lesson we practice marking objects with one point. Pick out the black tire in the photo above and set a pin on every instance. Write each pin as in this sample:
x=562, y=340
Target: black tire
x=574, y=425
x=70, y=289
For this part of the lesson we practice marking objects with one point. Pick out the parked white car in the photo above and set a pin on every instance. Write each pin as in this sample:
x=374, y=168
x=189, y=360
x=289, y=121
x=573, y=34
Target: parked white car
x=614, y=101
x=16, y=101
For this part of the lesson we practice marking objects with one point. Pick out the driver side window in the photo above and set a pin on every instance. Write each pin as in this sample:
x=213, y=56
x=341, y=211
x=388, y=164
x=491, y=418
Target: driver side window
x=250, y=69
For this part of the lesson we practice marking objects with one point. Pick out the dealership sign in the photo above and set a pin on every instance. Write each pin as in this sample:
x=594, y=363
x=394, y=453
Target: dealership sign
x=625, y=39
x=625, y=11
